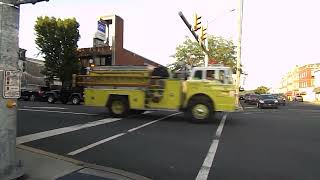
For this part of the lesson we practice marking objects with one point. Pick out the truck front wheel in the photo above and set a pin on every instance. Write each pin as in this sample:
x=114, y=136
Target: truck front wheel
x=200, y=109
x=118, y=107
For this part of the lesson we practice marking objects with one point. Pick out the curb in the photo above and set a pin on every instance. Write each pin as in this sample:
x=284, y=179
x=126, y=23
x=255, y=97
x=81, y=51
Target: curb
x=120, y=172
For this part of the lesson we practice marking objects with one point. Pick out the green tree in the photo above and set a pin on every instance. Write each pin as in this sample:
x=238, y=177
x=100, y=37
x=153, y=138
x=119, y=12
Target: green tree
x=57, y=41
x=190, y=53
x=261, y=90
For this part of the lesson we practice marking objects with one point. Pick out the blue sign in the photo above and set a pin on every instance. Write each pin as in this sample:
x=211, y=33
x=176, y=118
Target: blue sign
x=101, y=27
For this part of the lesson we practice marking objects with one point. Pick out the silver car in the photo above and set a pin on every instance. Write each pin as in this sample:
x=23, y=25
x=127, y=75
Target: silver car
x=298, y=98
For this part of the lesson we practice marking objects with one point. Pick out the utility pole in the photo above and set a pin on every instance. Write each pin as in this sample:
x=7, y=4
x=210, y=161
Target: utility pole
x=240, y=13
x=10, y=168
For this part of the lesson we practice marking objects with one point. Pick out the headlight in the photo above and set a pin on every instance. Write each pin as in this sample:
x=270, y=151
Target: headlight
x=276, y=101
x=261, y=101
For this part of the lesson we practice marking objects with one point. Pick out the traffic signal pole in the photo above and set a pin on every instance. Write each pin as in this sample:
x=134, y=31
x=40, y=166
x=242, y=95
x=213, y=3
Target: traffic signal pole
x=9, y=46
x=10, y=168
x=193, y=32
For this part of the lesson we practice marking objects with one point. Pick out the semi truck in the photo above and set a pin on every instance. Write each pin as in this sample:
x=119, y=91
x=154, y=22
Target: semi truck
x=128, y=89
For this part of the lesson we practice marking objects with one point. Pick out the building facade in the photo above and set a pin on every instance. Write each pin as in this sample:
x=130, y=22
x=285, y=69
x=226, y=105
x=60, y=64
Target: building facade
x=108, y=47
x=300, y=81
x=317, y=84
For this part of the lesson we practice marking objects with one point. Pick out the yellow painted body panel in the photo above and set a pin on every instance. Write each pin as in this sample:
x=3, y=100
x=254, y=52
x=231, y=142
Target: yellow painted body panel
x=172, y=96
x=222, y=95
x=99, y=97
x=176, y=95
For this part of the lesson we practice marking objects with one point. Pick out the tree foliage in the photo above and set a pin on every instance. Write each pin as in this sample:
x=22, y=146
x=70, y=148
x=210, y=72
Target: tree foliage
x=57, y=41
x=261, y=90
x=190, y=53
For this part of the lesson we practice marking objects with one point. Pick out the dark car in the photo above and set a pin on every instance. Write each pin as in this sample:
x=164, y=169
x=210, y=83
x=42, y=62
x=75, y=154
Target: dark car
x=241, y=97
x=246, y=97
x=267, y=101
x=281, y=99
x=252, y=99
x=75, y=96
x=36, y=93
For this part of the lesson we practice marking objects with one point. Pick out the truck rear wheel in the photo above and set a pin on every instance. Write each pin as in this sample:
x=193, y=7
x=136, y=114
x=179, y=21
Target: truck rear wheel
x=200, y=109
x=118, y=106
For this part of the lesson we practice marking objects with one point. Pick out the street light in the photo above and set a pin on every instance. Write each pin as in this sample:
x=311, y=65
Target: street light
x=206, y=58
x=223, y=13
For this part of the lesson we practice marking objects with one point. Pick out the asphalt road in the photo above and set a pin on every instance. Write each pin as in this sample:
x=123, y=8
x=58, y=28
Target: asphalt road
x=254, y=144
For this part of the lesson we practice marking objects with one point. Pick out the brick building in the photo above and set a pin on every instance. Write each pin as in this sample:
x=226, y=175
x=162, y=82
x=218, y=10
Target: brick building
x=108, y=48
x=300, y=81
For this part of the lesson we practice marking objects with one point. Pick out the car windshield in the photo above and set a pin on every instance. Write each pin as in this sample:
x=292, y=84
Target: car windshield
x=267, y=97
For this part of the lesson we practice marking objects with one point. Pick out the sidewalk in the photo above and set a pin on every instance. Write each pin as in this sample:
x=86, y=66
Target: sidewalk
x=41, y=165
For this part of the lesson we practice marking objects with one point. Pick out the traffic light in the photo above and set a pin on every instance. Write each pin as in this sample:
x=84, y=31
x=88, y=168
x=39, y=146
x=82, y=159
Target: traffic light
x=203, y=34
x=196, y=22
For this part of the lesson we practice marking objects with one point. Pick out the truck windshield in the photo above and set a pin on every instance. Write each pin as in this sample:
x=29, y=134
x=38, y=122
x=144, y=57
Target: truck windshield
x=228, y=76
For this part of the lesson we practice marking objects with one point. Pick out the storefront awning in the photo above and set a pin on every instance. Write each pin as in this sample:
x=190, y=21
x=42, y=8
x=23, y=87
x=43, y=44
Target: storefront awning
x=316, y=90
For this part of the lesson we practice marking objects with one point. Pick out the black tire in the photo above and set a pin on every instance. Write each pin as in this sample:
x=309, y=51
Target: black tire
x=51, y=99
x=118, y=106
x=137, y=112
x=75, y=100
x=32, y=98
x=64, y=100
x=198, y=104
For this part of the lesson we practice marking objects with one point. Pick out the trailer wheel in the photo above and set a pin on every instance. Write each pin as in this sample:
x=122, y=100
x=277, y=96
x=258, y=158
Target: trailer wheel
x=51, y=99
x=118, y=106
x=32, y=98
x=200, y=109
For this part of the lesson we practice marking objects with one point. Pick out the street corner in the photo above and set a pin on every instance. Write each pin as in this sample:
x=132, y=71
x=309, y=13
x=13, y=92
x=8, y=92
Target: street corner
x=39, y=164
x=93, y=174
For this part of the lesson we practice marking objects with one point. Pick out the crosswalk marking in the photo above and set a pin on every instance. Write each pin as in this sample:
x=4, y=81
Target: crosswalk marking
x=206, y=166
x=61, y=112
x=54, y=132
x=75, y=152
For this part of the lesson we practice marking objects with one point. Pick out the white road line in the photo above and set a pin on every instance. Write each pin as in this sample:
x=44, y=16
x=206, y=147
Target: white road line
x=41, y=107
x=147, y=124
x=116, y=136
x=95, y=144
x=61, y=112
x=221, y=125
x=54, y=132
x=206, y=166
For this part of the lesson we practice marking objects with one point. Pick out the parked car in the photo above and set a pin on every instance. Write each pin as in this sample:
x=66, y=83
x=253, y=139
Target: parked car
x=246, y=97
x=281, y=99
x=298, y=98
x=252, y=99
x=75, y=96
x=267, y=101
x=241, y=97
x=34, y=93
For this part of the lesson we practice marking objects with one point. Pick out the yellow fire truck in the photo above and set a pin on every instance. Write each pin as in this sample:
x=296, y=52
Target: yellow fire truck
x=129, y=89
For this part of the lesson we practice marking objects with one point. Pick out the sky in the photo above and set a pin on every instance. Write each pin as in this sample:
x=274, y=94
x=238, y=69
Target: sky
x=277, y=34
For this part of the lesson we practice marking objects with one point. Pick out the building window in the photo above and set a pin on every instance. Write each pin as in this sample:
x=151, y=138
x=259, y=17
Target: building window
x=103, y=60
